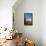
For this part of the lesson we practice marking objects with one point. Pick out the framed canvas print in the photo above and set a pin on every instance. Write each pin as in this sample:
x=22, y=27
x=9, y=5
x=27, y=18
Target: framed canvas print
x=28, y=18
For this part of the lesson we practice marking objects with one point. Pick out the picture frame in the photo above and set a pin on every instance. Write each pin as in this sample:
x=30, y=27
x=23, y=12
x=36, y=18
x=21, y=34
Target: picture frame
x=28, y=18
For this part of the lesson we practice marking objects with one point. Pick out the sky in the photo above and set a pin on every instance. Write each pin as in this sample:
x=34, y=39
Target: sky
x=28, y=15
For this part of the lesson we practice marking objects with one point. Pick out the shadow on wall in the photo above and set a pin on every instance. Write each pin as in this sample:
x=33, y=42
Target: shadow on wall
x=36, y=40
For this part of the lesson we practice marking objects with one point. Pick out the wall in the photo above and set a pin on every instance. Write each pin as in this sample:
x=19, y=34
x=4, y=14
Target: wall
x=30, y=32
x=43, y=22
x=6, y=13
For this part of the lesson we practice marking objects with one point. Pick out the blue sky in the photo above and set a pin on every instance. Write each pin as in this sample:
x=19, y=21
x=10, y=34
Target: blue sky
x=28, y=15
